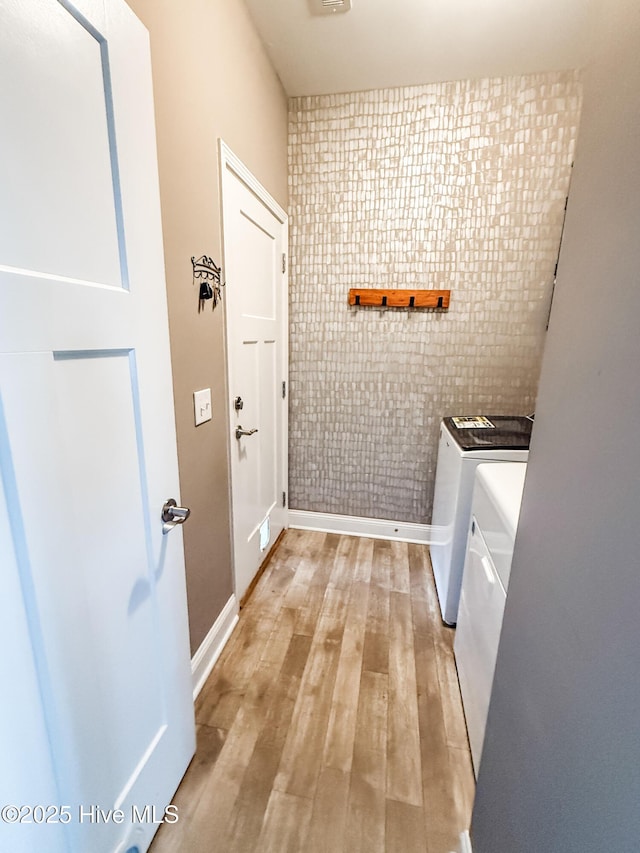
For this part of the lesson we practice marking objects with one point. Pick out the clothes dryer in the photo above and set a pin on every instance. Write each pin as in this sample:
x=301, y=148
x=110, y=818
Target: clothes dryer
x=494, y=520
x=465, y=442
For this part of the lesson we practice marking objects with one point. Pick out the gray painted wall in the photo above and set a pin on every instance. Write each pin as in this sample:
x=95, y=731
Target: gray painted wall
x=227, y=89
x=561, y=763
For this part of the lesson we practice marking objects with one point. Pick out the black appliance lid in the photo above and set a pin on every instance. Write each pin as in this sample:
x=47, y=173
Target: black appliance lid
x=490, y=432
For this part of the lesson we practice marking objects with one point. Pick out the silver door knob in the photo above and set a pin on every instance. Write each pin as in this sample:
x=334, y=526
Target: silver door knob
x=240, y=432
x=172, y=514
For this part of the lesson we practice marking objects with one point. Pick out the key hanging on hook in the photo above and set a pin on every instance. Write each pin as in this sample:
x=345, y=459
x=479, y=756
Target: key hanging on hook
x=208, y=273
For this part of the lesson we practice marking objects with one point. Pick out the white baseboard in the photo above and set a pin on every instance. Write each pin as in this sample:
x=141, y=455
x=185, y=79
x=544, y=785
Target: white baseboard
x=209, y=652
x=465, y=843
x=353, y=525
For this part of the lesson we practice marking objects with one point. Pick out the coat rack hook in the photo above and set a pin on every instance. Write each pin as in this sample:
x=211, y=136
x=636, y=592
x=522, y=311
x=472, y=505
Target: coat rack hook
x=373, y=297
x=207, y=273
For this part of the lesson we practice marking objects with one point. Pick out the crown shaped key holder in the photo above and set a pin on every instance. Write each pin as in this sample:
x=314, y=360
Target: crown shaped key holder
x=207, y=275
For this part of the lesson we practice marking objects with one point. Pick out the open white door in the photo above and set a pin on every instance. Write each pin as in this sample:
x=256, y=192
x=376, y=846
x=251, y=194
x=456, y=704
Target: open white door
x=97, y=711
x=255, y=243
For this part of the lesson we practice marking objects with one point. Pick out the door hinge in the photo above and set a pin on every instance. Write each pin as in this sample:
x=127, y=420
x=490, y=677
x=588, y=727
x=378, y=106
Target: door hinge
x=284, y=390
x=284, y=499
x=284, y=262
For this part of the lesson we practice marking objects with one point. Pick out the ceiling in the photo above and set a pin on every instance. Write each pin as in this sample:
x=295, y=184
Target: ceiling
x=387, y=43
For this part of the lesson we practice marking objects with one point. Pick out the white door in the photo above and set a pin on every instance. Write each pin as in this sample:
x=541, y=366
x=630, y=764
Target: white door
x=255, y=241
x=98, y=711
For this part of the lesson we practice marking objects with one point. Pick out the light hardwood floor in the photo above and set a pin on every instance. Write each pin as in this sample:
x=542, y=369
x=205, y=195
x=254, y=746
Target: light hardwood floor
x=332, y=720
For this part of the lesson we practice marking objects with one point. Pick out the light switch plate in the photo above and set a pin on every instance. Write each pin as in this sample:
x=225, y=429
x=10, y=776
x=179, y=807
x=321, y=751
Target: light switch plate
x=202, y=405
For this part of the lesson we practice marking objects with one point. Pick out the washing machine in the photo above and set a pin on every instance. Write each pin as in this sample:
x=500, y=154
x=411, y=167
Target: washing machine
x=497, y=496
x=465, y=443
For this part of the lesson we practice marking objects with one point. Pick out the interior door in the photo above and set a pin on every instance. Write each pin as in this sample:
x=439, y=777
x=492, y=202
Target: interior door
x=100, y=672
x=255, y=240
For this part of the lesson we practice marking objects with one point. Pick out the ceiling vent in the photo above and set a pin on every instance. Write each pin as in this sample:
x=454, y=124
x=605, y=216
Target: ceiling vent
x=329, y=7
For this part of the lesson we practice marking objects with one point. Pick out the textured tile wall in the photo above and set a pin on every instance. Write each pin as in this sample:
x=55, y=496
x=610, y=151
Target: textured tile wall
x=458, y=185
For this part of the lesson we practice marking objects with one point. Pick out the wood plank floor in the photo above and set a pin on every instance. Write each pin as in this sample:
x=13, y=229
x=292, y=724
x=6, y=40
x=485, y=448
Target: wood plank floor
x=332, y=720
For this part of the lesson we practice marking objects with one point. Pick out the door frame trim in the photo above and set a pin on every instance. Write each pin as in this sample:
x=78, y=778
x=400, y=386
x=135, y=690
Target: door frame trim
x=231, y=162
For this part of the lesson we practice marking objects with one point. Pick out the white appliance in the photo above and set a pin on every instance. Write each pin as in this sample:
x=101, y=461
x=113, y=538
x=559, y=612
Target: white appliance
x=495, y=510
x=464, y=444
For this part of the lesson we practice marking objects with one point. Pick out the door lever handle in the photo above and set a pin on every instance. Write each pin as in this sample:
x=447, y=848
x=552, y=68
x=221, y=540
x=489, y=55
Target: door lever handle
x=172, y=514
x=240, y=432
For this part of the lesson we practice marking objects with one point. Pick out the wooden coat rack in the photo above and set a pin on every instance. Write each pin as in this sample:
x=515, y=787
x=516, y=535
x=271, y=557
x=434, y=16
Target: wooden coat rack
x=369, y=297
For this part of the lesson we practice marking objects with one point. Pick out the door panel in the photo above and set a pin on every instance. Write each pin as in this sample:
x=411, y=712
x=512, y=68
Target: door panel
x=87, y=441
x=267, y=469
x=258, y=302
x=86, y=553
x=254, y=242
x=97, y=403
x=58, y=169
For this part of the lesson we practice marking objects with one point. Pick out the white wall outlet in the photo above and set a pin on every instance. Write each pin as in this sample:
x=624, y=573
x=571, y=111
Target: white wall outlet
x=202, y=405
